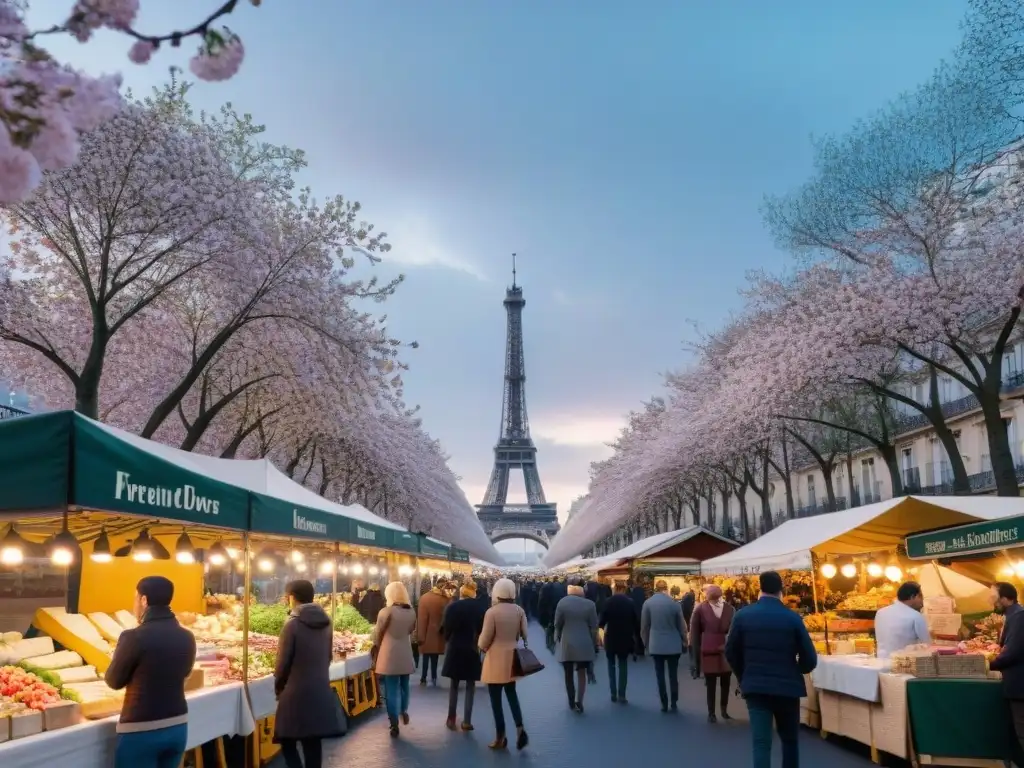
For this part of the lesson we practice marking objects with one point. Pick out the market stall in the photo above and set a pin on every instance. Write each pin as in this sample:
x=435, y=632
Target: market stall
x=968, y=719
x=87, y=510
x=853, y=561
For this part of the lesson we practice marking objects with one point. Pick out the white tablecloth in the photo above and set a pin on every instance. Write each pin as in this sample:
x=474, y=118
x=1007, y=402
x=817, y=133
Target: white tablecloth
x=855, y=676
x=261, y=692
x=212, y=712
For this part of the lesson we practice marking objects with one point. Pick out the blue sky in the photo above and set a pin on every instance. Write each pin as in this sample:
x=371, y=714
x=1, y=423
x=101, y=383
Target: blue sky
x=622, y=149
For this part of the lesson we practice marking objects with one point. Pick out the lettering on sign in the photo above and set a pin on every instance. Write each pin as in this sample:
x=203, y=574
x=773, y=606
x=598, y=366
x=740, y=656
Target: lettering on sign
x=300, y=523
x=184, y=497
x=970, y=541
x=365, y=533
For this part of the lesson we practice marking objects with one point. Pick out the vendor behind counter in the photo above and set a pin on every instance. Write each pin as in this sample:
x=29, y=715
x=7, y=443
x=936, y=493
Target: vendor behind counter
x=901, y=624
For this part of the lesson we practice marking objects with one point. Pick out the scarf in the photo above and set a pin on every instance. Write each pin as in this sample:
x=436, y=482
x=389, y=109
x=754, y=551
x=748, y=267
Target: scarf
x=717, y=606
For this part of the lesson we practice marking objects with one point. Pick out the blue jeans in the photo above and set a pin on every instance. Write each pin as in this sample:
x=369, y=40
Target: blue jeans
x=784, y=713
x=396, y=695
x=162, y=748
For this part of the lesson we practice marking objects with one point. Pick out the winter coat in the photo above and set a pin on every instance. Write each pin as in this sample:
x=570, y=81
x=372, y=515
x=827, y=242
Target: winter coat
x=504, y=624
x=576, y=629
x=307, y=706
x=428, y=622
x=370, y=605
x=461, y=628
x=621, y=626
x=688, y=602
x=395, y=654
x=546, y=604
x=661, y=625
x=707, y=636
x=770, y=650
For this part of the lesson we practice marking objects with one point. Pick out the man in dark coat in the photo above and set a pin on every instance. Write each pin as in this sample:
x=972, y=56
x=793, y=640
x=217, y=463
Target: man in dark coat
x=463, y=622
x=621, y=638
x=546, y=602
x=1010, y=660
x=770, y=651
x=638, y=597
x=308, y=709
x=688, y=602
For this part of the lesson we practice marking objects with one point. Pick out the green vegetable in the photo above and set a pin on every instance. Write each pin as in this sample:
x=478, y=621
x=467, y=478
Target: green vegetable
x=348, y=618
x=267, y=619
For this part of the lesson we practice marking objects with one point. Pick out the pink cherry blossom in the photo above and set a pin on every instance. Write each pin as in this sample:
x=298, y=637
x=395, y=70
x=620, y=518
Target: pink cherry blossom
x=141, y=52
x=219, y=59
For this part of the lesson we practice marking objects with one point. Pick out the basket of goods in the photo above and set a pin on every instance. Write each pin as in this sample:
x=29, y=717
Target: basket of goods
x=961, y=664
x=917, y=661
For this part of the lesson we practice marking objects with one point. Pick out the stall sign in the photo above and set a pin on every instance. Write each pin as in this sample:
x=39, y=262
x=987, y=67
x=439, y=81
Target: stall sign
x=113, y=475
x=403, y=541
x=974, y=538
x=271, y=515
x=433, y=548
x=370, y=535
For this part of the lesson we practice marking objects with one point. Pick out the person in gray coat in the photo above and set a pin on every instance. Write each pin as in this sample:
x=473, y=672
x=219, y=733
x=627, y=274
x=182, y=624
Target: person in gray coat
x=576, y=638
x=663, y=630
x=308, y=709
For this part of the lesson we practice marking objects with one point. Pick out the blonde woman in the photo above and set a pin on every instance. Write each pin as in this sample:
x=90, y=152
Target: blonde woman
x=504, y=624
x=392, y=637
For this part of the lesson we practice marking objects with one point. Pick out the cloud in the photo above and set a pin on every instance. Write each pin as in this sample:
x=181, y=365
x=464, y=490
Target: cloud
x=415, y=243
x=576, y=431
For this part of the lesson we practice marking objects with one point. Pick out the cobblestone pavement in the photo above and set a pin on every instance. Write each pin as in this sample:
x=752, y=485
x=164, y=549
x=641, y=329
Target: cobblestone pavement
x=637, y=735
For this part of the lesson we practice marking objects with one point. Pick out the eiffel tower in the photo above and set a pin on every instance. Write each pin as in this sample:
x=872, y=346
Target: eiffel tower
x=537, y=520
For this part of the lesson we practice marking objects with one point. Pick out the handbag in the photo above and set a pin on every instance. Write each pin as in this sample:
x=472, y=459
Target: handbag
x=375, y=648
x=525, y=662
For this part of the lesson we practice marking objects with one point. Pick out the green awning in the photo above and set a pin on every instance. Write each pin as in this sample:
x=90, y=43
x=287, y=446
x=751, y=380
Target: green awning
x=970, y=539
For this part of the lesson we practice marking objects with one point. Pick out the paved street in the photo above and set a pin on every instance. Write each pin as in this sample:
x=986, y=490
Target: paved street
x=637, y=735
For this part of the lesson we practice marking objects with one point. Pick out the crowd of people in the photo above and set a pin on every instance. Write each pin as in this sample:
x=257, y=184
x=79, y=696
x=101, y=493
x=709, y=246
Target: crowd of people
x=480, y=629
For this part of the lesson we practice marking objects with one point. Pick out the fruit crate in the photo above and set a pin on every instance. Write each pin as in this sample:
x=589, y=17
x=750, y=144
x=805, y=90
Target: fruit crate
x=961, y=665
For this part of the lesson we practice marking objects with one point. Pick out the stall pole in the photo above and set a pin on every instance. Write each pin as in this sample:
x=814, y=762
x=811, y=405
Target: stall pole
x=334, y=587
x=252, y=751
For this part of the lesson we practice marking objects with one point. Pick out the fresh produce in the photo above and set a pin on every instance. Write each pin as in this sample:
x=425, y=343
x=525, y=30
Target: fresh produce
x=989, y=629
x=815, y=622
x=347, y=618
x=267, y=619
x=23, y=687
x=872, y=600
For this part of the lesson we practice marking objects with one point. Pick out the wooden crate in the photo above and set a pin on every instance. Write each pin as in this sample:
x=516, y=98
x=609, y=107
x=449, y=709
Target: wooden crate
x=811, y=700
x=828, y=706
x=855, y=719
x=889, y=718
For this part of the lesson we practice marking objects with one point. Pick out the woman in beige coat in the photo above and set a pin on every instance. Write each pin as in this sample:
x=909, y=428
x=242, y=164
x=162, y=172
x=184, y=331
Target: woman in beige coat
x=393, y=637
x=504, y=624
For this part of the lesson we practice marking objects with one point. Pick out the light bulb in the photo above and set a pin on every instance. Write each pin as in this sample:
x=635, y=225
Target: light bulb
x=1019, y=568
x=300, y=567
x=893, y=573
x=232, y=552
x=101, y=557
x=216, y=558
x=849, y=570
x=62, y=556
x=357, y=569
x=343, y=569
x=828, y=570
x=185, y=558
x=374, y=570
x=875, y=570
x=265, y=564
x=143, y=556
x=327, y=567
x=297, y=557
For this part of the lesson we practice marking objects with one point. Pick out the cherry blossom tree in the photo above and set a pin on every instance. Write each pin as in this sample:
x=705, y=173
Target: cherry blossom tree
x=47, y=106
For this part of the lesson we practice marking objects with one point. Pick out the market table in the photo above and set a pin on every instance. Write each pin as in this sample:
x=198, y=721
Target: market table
x=261, y=691
x=212, y=713
x=959, y=718
x=855, y=675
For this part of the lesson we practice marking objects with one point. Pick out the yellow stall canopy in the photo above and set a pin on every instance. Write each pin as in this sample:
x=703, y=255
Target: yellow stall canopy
x=857, y=531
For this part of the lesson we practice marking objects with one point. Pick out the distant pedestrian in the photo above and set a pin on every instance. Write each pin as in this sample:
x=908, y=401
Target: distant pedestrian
x=770, y=651
x=504, y=625
x=463, y=622
x=621, y=638
x=428, y=630
x=709, y=626
x=662, y=630
x=576, y=639
x=392, y=636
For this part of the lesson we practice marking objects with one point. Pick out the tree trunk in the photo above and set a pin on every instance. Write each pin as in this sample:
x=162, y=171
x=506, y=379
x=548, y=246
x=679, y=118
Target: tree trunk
x=87, y=388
